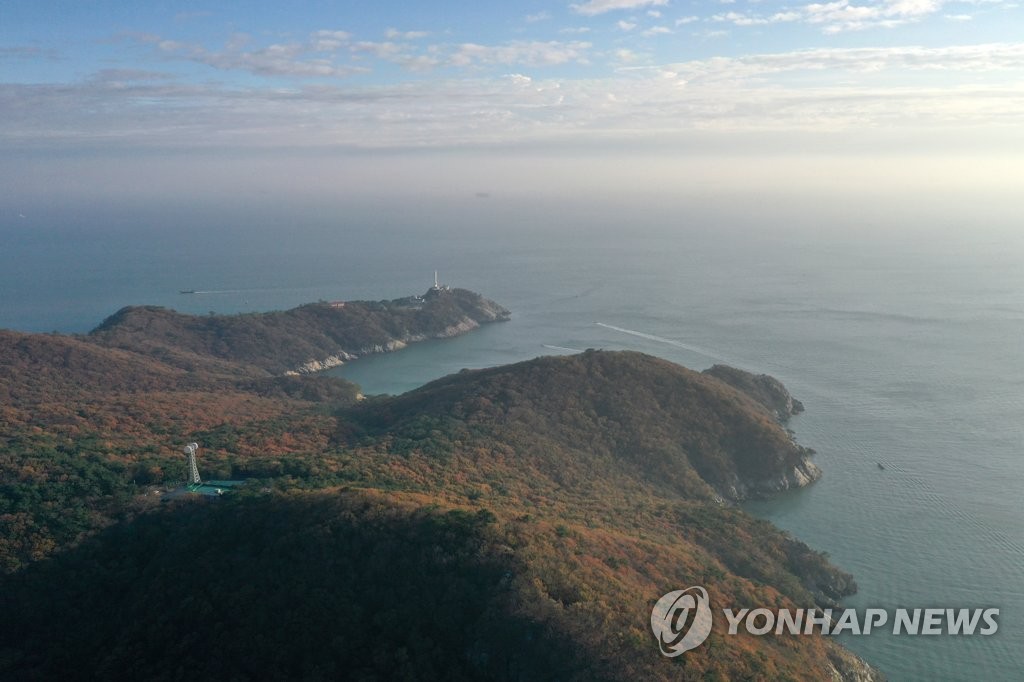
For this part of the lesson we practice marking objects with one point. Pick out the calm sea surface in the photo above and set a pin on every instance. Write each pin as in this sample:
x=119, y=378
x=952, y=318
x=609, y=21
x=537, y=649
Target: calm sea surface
x=905, y=340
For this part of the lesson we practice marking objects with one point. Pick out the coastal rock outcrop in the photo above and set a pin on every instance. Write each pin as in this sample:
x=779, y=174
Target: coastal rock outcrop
x=313, y=366
x=845, y=666
x=798, y=474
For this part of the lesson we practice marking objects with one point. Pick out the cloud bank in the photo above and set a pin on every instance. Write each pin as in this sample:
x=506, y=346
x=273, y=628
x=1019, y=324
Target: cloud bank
x=833, y=90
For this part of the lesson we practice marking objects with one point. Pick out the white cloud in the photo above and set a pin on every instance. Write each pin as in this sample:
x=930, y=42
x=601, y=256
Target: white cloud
x=845, y=16
x=395, y=34
x=593, y=7
x=419, y=62
x=539, y=16
x=842, y=15
x=829, y=90
x=338, y=35
x=279, y=59
x=657, y=30
x=740, y=19
x=335, y=54
x=320, y=41
x=381, y=50
x=966, y=58
x=625, y=25
x=686, y=20
x=525, y=53
x=273, y=60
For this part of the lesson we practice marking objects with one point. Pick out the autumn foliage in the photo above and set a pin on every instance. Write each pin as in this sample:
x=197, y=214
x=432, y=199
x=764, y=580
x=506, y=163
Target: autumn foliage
x=511, y=523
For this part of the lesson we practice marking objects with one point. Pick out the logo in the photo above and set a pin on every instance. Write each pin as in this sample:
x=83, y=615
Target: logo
x=681, y=620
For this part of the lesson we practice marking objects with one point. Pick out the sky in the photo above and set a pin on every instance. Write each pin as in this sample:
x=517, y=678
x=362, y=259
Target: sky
x=108, y=97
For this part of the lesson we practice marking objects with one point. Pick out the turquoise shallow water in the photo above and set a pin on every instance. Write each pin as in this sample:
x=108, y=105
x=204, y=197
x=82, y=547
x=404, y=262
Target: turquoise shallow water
x=907, y=350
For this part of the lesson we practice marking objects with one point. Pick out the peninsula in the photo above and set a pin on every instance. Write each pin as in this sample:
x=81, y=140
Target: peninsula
x=302, y=340
x=509, y=523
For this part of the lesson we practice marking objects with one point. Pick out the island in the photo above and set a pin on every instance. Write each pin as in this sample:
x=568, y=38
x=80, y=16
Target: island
x=509, y=523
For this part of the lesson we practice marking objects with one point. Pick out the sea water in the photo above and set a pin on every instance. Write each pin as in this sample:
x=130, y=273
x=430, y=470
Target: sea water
x=902, y=334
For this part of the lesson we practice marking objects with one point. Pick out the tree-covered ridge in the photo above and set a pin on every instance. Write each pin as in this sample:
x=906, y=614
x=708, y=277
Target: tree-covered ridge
x=328, y=586
x=369, y=586
x=300, y=339
x=618, y=413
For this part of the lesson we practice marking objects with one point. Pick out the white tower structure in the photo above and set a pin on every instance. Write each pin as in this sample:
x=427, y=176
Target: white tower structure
x=193, y=470
x=437, y=285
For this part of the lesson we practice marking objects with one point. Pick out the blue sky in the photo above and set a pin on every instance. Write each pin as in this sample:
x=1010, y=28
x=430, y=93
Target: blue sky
x=729, y=78
x=362, y=42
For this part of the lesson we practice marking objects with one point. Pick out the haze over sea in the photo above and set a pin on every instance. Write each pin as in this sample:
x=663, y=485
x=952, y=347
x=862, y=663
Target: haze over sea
x=899, y=324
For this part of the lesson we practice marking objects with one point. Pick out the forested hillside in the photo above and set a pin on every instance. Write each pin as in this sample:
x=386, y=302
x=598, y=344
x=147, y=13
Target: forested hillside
x=510, y=523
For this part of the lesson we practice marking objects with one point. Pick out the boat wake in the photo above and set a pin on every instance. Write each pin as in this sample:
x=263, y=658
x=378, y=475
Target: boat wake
x=230, y=291
x=219, y=291
x=563, y=348
x=662, y=339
